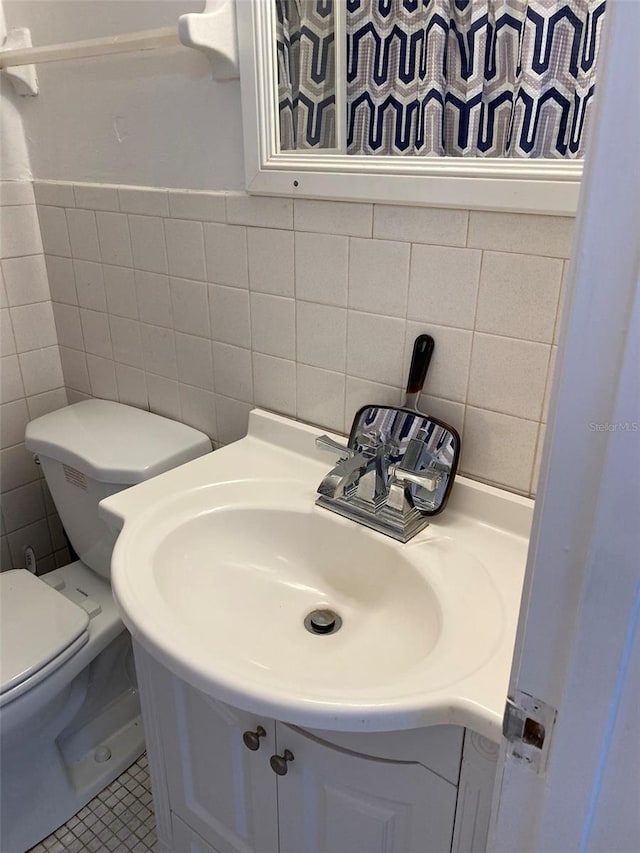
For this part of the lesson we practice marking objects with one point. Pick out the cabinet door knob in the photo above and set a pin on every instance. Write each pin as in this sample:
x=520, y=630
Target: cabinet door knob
x=252, y=739
x=279, y=762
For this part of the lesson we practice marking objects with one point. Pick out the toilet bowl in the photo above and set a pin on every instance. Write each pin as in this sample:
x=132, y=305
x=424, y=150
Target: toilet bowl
x=69, y=710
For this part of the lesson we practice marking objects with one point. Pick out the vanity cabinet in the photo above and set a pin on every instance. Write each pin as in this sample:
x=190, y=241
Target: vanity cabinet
x=216, y=785
x=185, y=839
x=338, y=793
x=339, y=801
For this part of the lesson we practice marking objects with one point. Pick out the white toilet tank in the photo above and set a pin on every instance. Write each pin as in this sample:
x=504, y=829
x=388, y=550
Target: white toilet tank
x=91, y=450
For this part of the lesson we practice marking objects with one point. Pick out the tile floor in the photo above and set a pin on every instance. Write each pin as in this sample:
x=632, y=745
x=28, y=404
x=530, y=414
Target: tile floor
x=119, y=820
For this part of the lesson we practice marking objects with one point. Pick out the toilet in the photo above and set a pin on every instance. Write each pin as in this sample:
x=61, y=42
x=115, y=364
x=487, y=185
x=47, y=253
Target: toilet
x=69, y=710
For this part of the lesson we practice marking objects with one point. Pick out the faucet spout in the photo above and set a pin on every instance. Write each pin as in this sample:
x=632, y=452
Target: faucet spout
x=343, y=476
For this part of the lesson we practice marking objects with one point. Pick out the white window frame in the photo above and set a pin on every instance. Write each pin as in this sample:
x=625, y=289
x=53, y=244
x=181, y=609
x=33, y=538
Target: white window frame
x=523, y=186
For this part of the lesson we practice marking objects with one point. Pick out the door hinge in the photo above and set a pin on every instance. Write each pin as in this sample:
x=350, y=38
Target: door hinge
x=527, y=725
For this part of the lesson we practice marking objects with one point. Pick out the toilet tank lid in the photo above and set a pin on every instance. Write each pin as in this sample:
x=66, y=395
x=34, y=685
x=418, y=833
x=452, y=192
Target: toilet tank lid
x=113, y=443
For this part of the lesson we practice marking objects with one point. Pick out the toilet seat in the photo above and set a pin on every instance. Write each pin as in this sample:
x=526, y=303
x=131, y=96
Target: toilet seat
x=39, y=631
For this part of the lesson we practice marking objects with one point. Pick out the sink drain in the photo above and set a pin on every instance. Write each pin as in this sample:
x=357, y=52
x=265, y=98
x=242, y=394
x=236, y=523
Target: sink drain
x=322, y=622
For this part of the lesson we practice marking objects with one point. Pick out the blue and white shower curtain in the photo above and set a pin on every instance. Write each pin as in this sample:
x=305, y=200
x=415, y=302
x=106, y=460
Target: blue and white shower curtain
x=480, y=78
x=305, y=45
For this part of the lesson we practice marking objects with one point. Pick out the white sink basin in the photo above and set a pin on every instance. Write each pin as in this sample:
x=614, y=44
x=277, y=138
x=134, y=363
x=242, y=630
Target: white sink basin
x=259, y=587
x=220, y=561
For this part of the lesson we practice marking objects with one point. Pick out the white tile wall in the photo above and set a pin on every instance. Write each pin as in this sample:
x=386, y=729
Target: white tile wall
x=230, y=315
x=126, y=341
x=31, y=380
x=16, y=192
x=26, y=280
x=379, y=276
x=211, y=303
x=274, y=383
x=204, y=207
x=321, y=335
x=421, y=225
x=96, y=197
x=83, y=234
x=259, y=210
x=148, y=243
x=190, y=306
x=334, y=217
x=20, y=234
x=132, y=386
x=271, y=256
x=89, y=278
x=185, y=248
x=195, y=364
x=115, y=243
x=226, y=254
x=443, y=285
x=153, y=298
x=273, y=325
x=375, y=347
x=322, y=268
x=518, y=296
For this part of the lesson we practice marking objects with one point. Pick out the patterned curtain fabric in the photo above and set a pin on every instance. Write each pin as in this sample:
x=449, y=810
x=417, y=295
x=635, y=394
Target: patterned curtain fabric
x=306, y=73
x=471, y=78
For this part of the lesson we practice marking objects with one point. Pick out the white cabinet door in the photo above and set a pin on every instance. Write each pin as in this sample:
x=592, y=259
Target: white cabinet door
x=220, y=788
x=185, y=840
x=335, y=801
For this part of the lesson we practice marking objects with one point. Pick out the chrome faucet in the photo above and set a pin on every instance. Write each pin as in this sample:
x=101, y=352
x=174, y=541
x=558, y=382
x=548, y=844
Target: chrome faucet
x=367, y=487
x=361, y=473
x=395, y=472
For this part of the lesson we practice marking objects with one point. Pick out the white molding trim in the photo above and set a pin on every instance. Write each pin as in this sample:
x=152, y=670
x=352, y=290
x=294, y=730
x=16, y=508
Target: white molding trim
x=524, y=186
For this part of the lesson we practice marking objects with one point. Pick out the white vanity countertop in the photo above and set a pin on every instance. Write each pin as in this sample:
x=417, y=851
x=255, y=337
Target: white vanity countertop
x=219, y=560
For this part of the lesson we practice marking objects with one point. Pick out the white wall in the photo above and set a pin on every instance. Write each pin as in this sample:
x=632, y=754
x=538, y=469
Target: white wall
x=200, y=306
x=31, y=383
x=14, y=157
x=151, y=119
